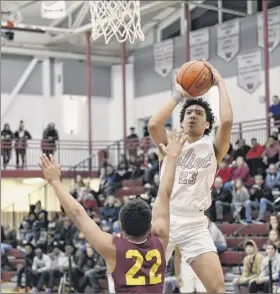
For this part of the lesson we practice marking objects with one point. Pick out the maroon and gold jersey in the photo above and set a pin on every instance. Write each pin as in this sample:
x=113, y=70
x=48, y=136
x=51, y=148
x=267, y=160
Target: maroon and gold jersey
x=140, y=268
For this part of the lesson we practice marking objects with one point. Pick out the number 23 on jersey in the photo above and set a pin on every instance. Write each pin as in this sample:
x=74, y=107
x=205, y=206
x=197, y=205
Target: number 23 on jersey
x=154, y=278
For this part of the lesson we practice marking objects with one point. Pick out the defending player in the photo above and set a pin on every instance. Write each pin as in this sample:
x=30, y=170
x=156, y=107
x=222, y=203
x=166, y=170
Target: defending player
x=136, y=261
x=195, y=174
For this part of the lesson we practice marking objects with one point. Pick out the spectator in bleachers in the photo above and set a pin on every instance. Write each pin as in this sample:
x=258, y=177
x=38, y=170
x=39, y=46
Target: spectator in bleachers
x=134, y=167
x=274, y=223
x=274, y=238
x=79, y=240
x=152, y=168
x=55, y=272
x=271, y=151
x=218, y=237
x=50, y=137
x=21, y=137
x=221, y=200
x=68, y=231
x=224, y=171
x=240, y=199
x=85, y=267
x=110, y=209
x=274, y=110
x=254, y=157
x=132, y=141
x=272, y=179
x=251, y=266
x=186, y=278
x=6, y=144
x=5, y=247
x=122, y=168
x=110, y=181
x=26, y=269
x=10, y=236
x=261, y=283
x=239, y=170
x=242, y=149
x=41, y=263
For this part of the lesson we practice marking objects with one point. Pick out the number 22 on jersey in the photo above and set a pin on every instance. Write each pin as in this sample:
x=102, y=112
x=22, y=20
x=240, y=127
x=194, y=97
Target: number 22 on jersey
x=154, y=278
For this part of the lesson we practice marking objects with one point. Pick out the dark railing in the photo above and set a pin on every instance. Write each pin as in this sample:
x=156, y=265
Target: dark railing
x=67, y=153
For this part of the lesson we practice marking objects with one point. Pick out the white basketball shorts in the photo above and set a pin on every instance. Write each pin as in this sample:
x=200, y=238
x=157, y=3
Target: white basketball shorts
x=190, y=232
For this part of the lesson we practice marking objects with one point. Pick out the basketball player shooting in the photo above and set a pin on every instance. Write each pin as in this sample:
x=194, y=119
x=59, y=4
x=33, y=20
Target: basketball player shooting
x=195, y=173
x=135, y=261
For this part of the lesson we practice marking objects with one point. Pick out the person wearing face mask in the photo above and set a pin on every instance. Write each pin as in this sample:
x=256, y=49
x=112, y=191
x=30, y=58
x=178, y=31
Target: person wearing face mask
x=252, y=266
x=6, y=144
x=262, y=283
x=41, y=263
x=21, y=137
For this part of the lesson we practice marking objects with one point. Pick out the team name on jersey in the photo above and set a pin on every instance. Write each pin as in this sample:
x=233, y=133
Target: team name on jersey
x=190, y=160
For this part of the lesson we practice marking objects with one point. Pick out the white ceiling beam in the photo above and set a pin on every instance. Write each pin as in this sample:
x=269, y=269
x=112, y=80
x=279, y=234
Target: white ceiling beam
x=81, y=15
x=146, y=9
x=73, y=7
x=214, y=8
x=41, y=53
x=20, y=83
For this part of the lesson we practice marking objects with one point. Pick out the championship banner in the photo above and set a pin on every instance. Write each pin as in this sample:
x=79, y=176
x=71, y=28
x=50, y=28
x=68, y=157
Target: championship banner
x=249, y=71
x=228, y=39
x=273, y=29
x=164, y=57
x=199, y=44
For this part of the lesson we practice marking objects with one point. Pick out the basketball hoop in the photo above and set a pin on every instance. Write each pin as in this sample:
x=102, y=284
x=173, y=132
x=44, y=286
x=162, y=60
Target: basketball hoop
x=53, y=9
x=116, y=18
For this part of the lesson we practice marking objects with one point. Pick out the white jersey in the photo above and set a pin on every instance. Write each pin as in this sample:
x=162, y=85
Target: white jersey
x=195, y=174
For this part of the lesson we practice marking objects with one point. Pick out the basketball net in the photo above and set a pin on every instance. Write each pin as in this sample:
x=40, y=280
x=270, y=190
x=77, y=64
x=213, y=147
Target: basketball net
x=10, y=19
x=116, y=18
x=53, y=9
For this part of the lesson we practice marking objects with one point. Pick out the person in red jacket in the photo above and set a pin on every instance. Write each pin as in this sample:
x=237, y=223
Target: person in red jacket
x=224, y=172
x=254, y=158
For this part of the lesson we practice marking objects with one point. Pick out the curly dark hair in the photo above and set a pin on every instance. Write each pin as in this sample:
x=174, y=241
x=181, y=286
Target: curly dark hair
x=204, y=104
x=135, y=218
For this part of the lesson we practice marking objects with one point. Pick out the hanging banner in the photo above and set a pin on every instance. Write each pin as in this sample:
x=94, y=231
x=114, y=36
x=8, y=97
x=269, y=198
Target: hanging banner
x=163, y=57
x=199, y=44
x=228, y=39
x=273, y=29
x=58, y=78
x=249, y=71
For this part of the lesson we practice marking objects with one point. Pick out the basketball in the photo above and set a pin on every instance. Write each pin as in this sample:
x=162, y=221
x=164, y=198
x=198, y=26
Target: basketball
x=195, y=78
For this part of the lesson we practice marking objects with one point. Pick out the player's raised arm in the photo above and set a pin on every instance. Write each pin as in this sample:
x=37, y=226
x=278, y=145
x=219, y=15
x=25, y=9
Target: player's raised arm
x=160, y=118
x=222, y=138
x=161, y=211
x=100, y=240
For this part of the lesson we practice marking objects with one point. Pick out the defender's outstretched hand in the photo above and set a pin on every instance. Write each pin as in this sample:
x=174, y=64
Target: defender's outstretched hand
x=50, y=169
x=216, y=76
x=175, y=143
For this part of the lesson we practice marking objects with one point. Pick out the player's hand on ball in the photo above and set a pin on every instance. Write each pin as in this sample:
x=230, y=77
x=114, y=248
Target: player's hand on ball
x=216, y=76
x=183, y=92
x=175, y=143
x=50, y=169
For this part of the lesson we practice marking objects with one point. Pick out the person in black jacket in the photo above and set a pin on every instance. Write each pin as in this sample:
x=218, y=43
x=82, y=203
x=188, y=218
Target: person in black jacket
x=50, y=136
x=27, y=268
x=6, y=146
x=21, y=137
x=221, y=199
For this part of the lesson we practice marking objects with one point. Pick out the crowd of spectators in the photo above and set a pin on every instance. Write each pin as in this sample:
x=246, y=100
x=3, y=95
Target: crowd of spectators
x=247, y=185
x=18, y=141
